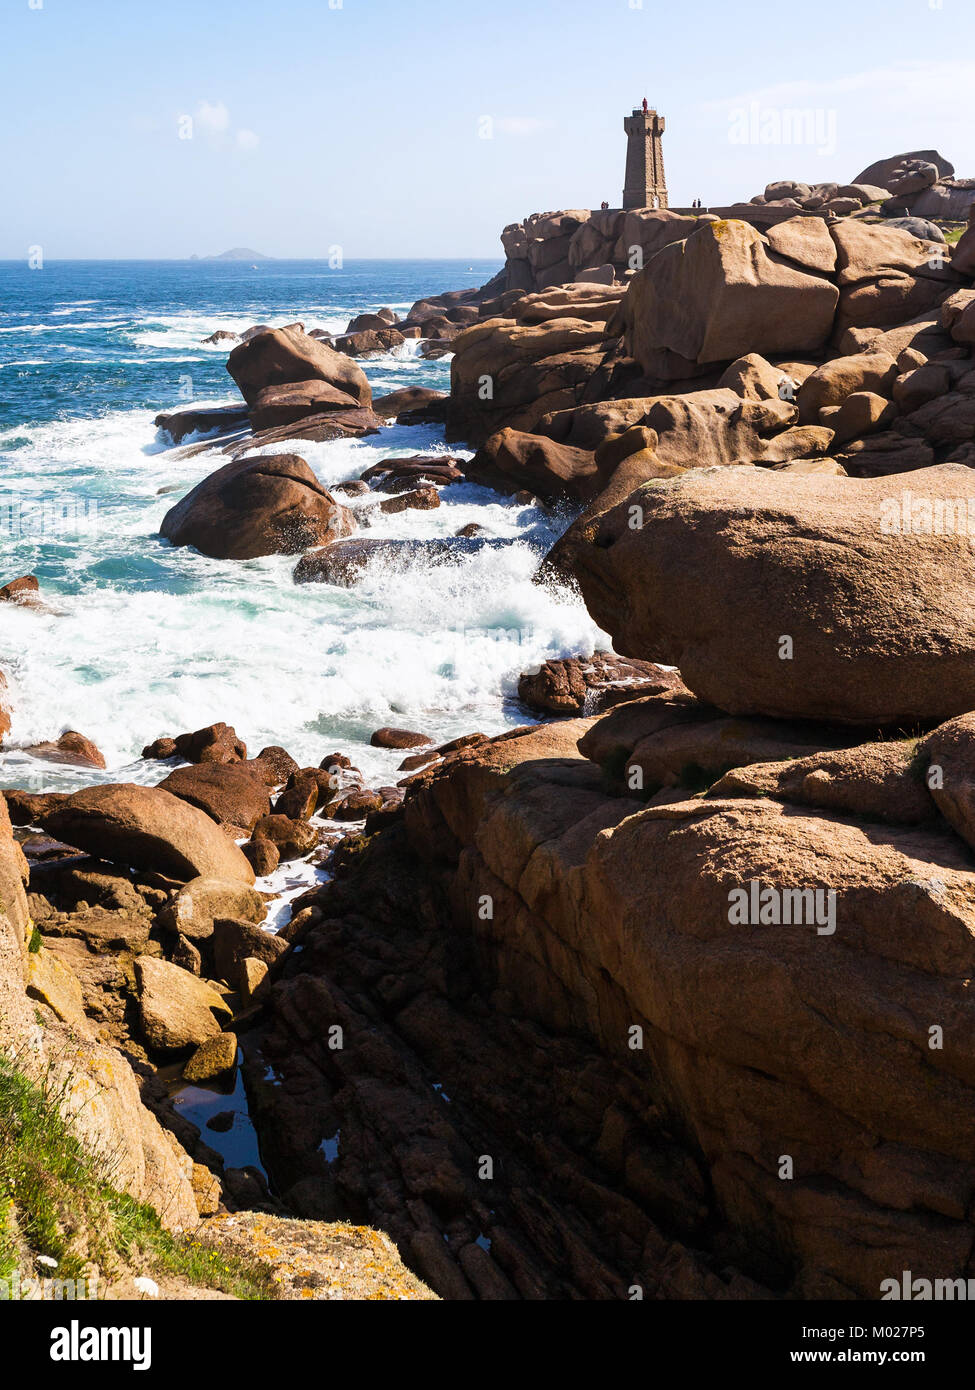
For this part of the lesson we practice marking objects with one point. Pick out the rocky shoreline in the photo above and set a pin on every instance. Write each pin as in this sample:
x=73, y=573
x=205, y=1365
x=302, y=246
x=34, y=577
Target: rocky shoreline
x=667, y=988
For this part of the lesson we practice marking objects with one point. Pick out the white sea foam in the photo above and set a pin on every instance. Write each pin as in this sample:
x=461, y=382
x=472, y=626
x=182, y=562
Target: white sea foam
x=188, y=330
x=64, y=327
x=152, y=640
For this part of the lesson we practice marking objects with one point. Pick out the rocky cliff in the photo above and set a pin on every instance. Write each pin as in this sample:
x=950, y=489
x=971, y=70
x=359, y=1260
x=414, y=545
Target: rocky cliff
x=44, y=1027
x=540, y=968
x=58, y=1060
x=916, y=191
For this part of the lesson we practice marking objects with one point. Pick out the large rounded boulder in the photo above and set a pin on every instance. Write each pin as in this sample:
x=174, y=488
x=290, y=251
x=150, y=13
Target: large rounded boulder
x=275, y=406
x=147, y=828
x=797, y=595
x=513, y=461
x=905, y=173
x=233, y=794
x=719, y=295
x=263, y=505
x=282, y=356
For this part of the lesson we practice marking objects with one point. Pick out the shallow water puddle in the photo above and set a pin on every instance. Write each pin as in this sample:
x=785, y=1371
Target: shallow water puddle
x=238, y=1146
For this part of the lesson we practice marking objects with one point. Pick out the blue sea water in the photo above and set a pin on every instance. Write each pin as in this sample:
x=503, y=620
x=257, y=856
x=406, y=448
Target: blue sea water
x=81, y=339
x=141, y=639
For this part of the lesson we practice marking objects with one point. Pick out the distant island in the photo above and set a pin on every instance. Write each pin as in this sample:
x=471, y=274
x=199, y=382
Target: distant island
x=239, y=253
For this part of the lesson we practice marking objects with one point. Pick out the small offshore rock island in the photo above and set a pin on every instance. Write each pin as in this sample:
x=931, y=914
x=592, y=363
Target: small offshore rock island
x=658, y=988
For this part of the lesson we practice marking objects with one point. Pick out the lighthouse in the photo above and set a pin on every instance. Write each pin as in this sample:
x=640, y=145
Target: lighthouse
x=646, y=184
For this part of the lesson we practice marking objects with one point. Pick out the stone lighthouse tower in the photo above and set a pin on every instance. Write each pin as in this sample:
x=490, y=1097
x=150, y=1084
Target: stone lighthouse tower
x=646, y=186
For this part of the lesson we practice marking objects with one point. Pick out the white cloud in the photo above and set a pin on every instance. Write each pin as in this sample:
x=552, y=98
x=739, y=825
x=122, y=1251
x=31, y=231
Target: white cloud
x=936, y=87
x=212, y=122
x=213, y=118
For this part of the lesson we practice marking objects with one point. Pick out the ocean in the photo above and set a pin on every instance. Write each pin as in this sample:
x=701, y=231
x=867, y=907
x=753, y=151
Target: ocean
x=140, y=639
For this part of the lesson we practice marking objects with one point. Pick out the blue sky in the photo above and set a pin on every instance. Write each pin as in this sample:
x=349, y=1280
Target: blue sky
x=360, y=124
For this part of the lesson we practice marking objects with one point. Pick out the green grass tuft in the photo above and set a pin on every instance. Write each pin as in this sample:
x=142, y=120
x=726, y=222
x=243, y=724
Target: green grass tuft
x=56, y=1199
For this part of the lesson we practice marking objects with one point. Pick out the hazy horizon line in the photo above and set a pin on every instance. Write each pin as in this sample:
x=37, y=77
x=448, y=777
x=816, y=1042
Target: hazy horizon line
x=220, y=260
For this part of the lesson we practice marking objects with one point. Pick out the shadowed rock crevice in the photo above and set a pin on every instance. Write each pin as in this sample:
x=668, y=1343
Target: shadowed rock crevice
x=442, y=1067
